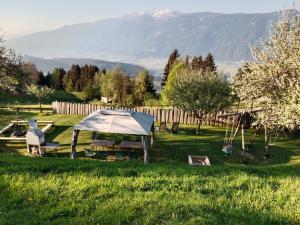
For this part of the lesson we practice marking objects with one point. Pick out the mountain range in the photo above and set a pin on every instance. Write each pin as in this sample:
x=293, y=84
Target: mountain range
x=147, y=37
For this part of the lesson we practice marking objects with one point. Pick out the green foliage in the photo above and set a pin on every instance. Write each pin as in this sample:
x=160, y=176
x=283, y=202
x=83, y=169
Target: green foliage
x=178, y=68
x=40, y=92
x=143, y=87
x=151, y=101
x=71, y=79
x=57, y=77
x=90, y=92
x=13, y=77
x=116, y=84
x=198, y=63
x=199, y=92
x=31, y=69
x=172, y=58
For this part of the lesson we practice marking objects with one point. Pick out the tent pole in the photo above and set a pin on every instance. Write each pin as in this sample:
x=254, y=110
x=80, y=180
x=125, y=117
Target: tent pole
x=153, y=135
x=74, y=143
x=145, y=147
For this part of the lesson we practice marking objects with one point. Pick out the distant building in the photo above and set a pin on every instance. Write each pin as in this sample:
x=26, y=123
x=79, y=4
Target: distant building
x=106, y=100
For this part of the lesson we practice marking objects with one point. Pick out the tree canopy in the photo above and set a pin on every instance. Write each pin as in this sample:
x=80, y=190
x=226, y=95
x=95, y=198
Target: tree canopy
x=13, y=77
x=199, y=92
x=273, y=79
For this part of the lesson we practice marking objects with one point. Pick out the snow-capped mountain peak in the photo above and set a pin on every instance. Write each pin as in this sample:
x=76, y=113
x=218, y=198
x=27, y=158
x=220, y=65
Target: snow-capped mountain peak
x=157, y=14
x=165, y=13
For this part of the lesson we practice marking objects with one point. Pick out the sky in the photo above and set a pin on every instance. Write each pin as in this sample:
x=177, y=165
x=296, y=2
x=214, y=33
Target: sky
x=19, y=17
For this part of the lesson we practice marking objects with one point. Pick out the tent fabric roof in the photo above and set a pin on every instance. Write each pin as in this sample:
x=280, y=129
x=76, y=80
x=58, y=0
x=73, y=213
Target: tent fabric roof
x=117, y=122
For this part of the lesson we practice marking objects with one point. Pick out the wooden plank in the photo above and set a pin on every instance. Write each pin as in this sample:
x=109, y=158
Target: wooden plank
x=7, y=128
x=46, y=128
x=13, y=138
x=26, y=122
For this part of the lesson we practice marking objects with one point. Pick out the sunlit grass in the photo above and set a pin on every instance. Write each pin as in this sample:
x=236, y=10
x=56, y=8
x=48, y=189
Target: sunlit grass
x=58, y=190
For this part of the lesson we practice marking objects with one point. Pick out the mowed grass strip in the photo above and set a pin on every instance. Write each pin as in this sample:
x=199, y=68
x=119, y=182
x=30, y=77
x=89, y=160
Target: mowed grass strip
x=64, y=191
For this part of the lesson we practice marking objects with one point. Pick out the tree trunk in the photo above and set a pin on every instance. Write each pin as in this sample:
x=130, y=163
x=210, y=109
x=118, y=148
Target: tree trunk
x=40, y=104
x=199, y=116
x=199, y=126
x=267, y=153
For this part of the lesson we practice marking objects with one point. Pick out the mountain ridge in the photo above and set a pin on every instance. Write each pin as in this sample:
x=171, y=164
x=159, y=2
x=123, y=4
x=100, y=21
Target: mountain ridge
x=143, y=36
x=48, y=65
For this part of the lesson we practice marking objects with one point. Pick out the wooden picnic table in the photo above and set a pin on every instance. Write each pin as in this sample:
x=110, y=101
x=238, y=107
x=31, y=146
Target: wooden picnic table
x=131, y=145
x=102, y=143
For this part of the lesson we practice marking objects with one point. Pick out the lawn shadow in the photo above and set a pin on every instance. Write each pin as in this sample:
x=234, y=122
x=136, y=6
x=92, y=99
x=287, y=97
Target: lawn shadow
x=210, y=142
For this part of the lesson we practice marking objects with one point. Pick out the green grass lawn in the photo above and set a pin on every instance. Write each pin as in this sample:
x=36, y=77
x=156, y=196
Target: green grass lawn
x=58, y=190
x=30, y=100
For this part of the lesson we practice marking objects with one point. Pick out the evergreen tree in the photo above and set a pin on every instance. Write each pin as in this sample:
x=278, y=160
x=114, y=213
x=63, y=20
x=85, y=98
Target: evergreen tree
x=174, y=55
x=209, y=63
x=48, y=79
x=197, y=63
x=143, y=87
x=57, y=79
x=86, y=77
x=72, y=78
x=41, y=79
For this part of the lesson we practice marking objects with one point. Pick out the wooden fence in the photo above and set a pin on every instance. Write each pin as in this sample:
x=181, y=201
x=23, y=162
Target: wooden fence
x=168, y=115
x=25, y=109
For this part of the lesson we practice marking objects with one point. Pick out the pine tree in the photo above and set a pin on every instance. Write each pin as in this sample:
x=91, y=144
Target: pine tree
x=187, y=61
x=197, y=63
x=42, y=79
x=174, y=55
x=209, y=63
x=72, y=78
x=57, y=78
x=48, y=79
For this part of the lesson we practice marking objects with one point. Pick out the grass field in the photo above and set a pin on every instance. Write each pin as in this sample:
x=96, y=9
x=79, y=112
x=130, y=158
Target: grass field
x=31, y=100
x=58, y=190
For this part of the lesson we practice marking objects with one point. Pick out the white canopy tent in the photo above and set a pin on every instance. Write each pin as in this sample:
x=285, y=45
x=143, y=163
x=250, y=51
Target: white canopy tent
x=117, y=122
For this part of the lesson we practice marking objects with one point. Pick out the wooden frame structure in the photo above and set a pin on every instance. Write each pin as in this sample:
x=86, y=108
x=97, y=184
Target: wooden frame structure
x=47, y=125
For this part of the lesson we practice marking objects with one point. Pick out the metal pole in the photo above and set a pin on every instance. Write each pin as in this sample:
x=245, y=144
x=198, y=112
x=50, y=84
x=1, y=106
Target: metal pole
x=74, y=143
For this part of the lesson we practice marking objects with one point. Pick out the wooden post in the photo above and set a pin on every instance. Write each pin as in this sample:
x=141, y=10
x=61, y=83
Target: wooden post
x=145, y=147
x=94, y=135
x=243, y=144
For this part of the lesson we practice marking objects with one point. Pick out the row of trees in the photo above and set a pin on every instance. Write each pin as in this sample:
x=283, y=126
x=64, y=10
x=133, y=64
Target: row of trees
x=17, y=77
x=195, y=63
x=93, y=83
